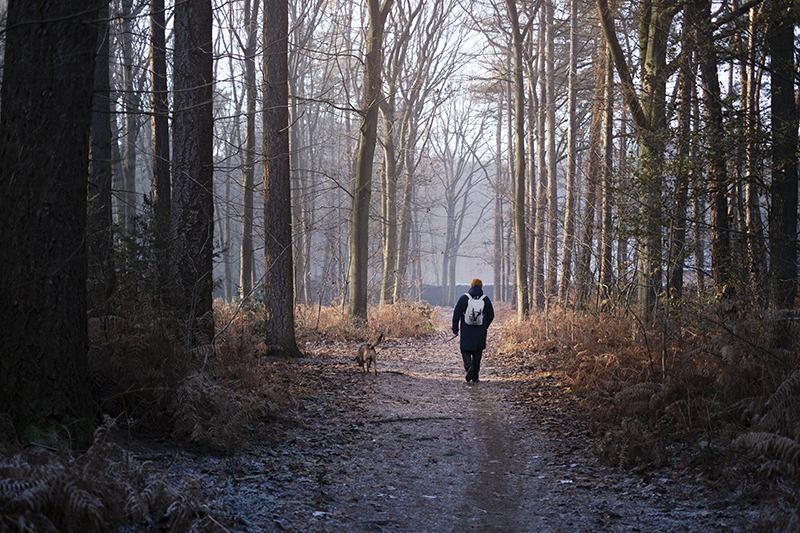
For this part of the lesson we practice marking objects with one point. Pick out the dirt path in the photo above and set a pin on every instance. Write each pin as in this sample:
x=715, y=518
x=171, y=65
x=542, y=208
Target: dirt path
x=417, y=449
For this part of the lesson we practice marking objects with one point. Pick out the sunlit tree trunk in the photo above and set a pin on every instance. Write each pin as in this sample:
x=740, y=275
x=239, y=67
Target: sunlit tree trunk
x=520, y=233
x=584, y=277
x=192, y=225
x=389, y=204
x=551, y=285
x=50, y=49
x=572, y=124
x=541, y=155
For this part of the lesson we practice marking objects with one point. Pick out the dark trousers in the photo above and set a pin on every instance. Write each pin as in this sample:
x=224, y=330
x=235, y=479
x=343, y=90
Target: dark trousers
x=472, y=359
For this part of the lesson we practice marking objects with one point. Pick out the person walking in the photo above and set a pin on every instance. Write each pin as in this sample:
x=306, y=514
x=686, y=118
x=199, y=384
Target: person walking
x=472, y=315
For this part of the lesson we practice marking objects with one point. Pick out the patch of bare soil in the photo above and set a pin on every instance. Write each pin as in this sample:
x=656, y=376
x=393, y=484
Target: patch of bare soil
x=418, y=449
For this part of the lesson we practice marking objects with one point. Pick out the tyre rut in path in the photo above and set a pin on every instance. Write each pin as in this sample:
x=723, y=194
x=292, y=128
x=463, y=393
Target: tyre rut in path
x=435, y=454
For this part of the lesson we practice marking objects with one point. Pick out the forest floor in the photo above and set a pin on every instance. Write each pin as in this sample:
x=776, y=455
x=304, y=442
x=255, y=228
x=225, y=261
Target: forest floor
x=417, y=449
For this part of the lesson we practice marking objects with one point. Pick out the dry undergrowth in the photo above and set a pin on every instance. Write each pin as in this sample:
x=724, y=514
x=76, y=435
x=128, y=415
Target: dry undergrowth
x=702, y=390
x=216, y=397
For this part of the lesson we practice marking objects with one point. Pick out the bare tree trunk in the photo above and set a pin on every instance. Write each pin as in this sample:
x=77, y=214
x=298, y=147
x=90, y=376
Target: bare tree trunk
x=783, y=189
x=551, y=288
x=541, y=193
x=246, y=249
x=131, y=129
x=389, y=203
x=498, y=203
x=520, y=233
x=102, y=279
x=607, y=240
x=162, y=181
x=753, y=159
x=720, y=225
x=359, y=232
x=677, y=251
x=572, y=124
x=584, y=278
x=192, y=225
x=44, y=149
x=279, y=274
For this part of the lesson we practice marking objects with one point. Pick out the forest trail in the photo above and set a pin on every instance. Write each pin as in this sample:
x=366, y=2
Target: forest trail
x=417, y=449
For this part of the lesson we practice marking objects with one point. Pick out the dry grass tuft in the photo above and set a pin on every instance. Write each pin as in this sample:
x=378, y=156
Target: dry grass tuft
x=398, y=320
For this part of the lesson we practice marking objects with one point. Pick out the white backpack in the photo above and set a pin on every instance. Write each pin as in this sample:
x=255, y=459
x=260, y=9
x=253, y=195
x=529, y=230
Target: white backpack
x=473, y=316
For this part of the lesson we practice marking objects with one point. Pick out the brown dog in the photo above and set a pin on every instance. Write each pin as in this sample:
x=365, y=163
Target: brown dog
x=367, y=356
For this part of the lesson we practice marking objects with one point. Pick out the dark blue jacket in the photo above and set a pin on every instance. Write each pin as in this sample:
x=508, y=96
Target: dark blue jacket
x=472, y=337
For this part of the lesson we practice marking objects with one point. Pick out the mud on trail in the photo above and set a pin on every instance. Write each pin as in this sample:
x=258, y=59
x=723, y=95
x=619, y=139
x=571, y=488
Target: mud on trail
x=417, y=449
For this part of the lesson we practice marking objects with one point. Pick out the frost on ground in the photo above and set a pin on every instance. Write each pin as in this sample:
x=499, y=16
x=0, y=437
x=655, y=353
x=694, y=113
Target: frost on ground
x=417, y=449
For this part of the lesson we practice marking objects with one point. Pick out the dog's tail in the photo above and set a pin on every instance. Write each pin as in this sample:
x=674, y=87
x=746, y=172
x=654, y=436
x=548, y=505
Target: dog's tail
x=377, y=342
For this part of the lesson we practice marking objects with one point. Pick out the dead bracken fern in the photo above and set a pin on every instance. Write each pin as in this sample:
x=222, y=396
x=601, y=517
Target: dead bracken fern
x=215, y=396
x=101, y=490
x=684, y=389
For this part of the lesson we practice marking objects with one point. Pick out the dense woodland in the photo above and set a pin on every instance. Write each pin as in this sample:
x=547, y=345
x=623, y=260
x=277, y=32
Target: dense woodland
x=177, y=176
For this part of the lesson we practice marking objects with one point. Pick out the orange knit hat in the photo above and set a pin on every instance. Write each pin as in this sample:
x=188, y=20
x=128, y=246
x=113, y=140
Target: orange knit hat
x=477, y=282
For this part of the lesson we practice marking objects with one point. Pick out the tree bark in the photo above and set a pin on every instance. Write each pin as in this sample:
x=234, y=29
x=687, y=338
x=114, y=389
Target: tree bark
x=520, y=232
x=162, y=182
x=551, y=287
x=359, y=230
x=45, y=121
x=572, y=125
x=721, y=259
x=246, y=249
x=279, y=274
x=102, y=277
x=541, y=155
x=783, y=189
x=192, y=225
x=584, y=277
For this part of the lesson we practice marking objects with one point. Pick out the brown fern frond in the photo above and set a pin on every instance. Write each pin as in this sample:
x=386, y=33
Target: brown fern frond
x=782, y=453
x=782, y=405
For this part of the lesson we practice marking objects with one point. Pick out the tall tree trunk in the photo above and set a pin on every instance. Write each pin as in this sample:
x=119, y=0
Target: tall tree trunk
x=162, y=185
x=192, y=224
x=721, y=259
x=753, y=160
x=520, y=233
x=44, y=148
x=246, y=250
x=541, y=158
x=677, y=251
x=551, y=288
x=131, y=128
x=359, y=231
x=498, y=203
x=401, y=288
x=389, y=203
x=783, y=189
x=102, y=276
x=584, y=278
x=607, y=240
x=572, y=124
x=649, y=116
x=279, y=274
